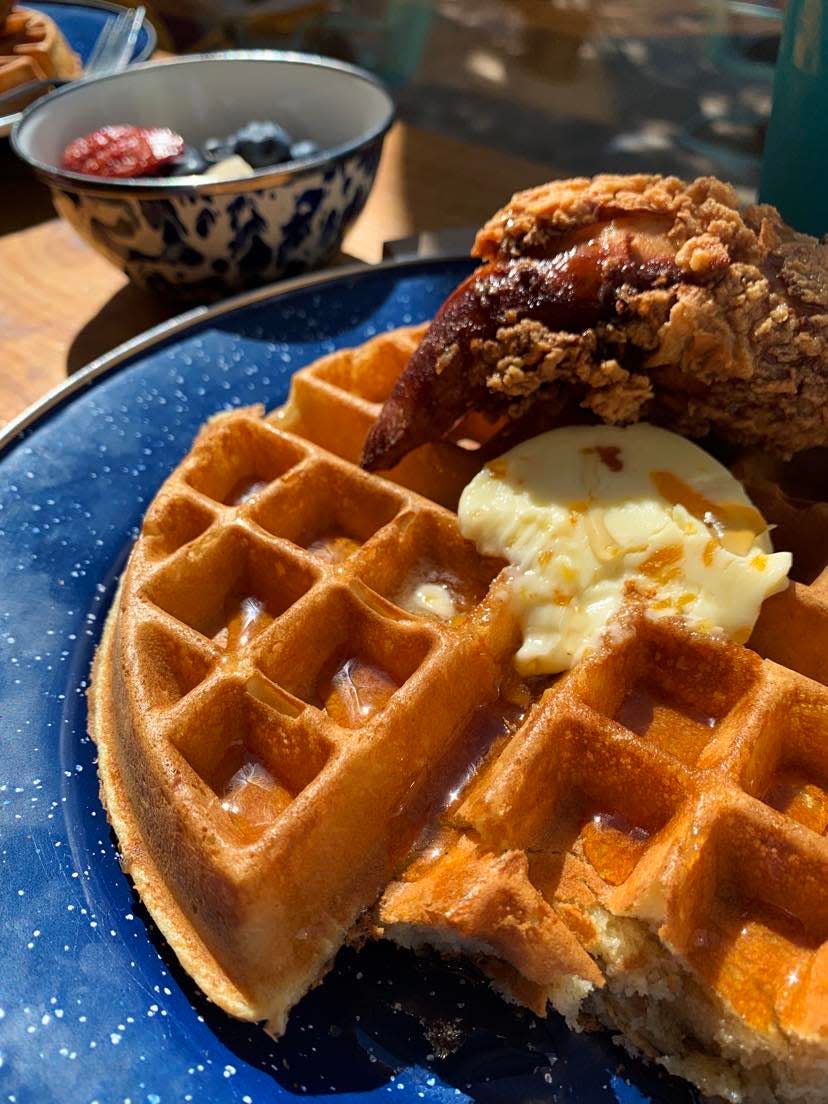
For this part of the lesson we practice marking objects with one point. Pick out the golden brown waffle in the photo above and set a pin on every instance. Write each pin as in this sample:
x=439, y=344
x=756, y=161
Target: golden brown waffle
x=649, y=849
x=33, y=48
x=256, y=639
x=282, y=738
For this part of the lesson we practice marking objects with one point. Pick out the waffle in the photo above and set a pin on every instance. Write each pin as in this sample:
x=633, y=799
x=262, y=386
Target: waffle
x=288, y=735
x=32, y=48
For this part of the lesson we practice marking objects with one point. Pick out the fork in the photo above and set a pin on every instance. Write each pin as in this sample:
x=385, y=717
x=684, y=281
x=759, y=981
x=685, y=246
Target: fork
x=112, y=52
x=115, y=43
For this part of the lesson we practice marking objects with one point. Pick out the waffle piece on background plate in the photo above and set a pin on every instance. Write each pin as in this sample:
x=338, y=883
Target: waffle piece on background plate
x=33, y=48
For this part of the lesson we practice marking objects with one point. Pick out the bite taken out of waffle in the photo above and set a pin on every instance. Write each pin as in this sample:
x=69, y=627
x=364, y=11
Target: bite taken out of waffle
x=295, y=748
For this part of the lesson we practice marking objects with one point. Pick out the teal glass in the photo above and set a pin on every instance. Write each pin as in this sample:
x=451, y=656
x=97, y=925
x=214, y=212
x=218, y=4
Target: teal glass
x=795, y=161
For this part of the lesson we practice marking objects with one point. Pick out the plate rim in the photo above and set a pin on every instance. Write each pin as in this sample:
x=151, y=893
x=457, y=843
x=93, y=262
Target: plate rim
x=17, y=429
x=7, y=121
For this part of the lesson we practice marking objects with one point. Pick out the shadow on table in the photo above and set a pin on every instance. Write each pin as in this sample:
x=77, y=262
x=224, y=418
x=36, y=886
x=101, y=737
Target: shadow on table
x=132, y=310
x=25, y=201
x=129, y=312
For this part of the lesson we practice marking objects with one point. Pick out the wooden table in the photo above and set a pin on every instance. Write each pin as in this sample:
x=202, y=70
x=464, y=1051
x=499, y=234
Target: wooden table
x=62, y=304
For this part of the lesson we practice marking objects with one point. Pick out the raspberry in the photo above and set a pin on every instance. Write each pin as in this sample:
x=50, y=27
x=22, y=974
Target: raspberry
x=123, y=151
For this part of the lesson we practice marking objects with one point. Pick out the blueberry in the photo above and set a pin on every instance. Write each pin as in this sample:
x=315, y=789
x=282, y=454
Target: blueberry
x=301, y=151
x=217, y=149
x=262, y=144
x=191, y=162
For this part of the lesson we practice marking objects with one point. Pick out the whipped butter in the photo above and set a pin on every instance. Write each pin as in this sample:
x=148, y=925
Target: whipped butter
x=591, y=517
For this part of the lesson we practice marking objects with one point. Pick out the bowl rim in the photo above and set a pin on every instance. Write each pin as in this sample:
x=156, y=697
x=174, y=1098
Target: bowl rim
x=260, y=178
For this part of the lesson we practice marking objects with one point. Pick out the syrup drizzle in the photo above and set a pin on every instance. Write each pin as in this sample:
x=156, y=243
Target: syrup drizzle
x=609, y=455
x=734, y=524
x=356, y=692
x=681, y=732
x=246, y=621
x=253, y=798
x=467, y=764
x=613, y=846
x=796, y=795
x=759, y=957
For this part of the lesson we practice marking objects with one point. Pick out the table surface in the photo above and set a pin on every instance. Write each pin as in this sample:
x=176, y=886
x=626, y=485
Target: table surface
x=492, y=102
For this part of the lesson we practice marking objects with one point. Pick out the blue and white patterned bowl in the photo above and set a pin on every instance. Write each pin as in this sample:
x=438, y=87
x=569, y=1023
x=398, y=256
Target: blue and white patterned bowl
x=200, y=239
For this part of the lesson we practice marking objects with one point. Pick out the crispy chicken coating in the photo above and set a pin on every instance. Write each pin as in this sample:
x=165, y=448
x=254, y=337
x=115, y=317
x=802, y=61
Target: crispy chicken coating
x=640, y=297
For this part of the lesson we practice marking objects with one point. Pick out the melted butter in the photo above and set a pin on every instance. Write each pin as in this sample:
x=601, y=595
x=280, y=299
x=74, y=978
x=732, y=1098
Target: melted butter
x=356, y=692
x=430, y=599
x=604, y=547
x=333, y=548
x=433, y=590
x=245, y=490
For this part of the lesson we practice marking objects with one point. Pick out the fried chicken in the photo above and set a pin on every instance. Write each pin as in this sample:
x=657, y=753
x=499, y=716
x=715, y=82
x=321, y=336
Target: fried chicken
x=635, y=297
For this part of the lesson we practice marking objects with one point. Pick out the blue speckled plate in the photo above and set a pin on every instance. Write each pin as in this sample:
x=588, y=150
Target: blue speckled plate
x=81, y=23
x=93, y=1006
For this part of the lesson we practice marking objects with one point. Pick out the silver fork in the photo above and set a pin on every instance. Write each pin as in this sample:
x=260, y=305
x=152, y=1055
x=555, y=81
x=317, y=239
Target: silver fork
x=115, y=43
x=112, y=52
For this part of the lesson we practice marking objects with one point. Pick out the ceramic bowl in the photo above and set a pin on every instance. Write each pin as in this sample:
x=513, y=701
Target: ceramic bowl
x=197, y=238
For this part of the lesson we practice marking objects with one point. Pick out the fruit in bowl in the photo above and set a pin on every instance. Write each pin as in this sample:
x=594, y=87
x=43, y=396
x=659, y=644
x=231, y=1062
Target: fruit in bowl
x=259, y=144
x=175, y=174
x=125, y=151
